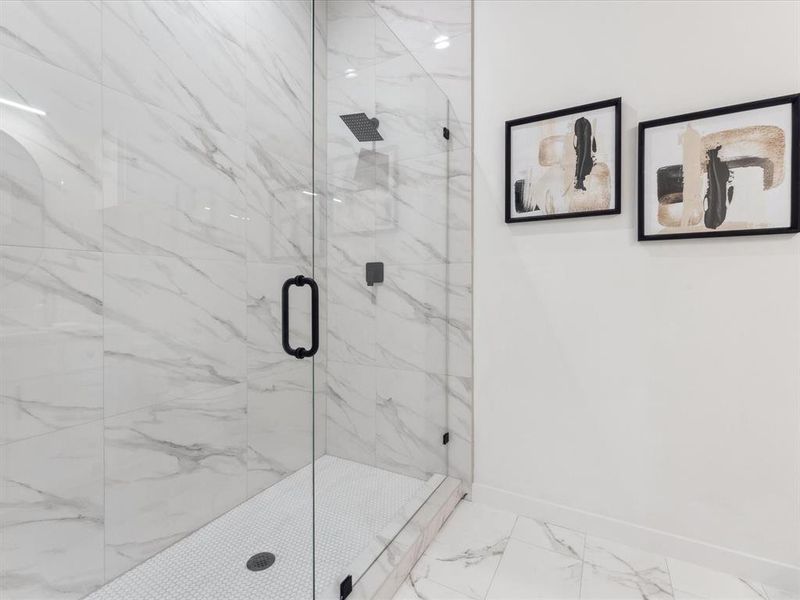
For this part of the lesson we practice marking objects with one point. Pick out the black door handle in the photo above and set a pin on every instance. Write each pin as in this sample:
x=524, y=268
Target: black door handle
x=300, y=281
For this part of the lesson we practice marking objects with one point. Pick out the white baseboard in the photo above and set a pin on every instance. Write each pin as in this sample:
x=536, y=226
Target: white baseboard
x=780, y=575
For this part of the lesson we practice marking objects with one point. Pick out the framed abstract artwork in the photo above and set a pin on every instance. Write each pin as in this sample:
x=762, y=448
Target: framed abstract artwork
x=721, y=172
x=564, y=163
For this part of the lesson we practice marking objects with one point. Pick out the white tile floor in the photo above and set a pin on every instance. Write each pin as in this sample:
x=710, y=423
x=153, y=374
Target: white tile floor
x=354, y=503
x=482, y=553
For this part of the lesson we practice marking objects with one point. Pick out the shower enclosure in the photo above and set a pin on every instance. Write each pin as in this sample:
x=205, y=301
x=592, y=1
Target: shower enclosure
x=234, y=327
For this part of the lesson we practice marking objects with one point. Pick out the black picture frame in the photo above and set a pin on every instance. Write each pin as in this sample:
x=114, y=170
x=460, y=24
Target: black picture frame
x=616, y=104
x=794, y=170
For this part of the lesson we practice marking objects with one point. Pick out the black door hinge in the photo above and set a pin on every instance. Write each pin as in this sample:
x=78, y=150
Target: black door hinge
x=346, y=587
x=446, y=439
x=446, y=133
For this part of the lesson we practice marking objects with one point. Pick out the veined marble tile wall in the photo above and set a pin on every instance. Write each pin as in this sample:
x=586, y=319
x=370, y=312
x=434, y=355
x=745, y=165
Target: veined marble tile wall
x=147, y=223
x=400, y=353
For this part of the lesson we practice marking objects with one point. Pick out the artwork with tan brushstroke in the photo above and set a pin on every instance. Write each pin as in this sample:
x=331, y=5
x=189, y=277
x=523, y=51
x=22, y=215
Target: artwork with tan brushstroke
x=564, y=166
x=717, y=174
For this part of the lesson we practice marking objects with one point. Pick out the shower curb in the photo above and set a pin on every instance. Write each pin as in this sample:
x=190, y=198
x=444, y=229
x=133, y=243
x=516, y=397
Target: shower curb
x=384, y=577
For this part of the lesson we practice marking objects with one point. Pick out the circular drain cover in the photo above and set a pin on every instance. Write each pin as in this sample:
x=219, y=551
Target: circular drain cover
x=261, y=561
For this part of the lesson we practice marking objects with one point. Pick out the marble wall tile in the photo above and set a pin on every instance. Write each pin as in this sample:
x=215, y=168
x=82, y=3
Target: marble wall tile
x=451, y=69
x=411, y=108
x=351, y=412
x=280, y=222
x=279, y=416
x=51, y=340
x=459, y=319
x=459, y=210
x=351, y=332
x=264, y=346
x=410, y=421
x=418, y=22
x=279, y=76
x=410, y=318
x=21, y=195
x=357, y=37
x=189, y=58
x=459, y=424
x=349, y=92
x=173, y=328
x=64, y=33
x=51, y=522
x=171, y=187
x=351, y=36
x=387, y=44
x=170, y=468
x=412, y=219
x=351, y=215
x=65, y=144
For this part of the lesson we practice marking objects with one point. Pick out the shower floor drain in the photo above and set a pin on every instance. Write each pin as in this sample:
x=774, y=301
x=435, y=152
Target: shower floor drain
x=261, y=561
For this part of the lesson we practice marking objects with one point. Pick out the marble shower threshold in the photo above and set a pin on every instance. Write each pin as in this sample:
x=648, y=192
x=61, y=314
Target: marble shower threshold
x=359, y=509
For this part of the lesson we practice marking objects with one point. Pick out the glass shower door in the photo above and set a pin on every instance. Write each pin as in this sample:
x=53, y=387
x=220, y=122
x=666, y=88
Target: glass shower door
x=155, y=195
x=381, y=215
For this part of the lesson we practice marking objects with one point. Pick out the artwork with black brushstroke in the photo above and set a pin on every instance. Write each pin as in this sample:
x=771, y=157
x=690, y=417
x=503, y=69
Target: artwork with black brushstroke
x=721, y=172
x=564, y=163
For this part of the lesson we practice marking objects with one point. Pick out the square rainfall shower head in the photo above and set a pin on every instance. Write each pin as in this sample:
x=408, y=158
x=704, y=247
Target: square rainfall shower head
x=361, y=126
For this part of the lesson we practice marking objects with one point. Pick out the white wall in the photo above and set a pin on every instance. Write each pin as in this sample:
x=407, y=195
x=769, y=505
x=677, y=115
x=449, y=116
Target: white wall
x=647, y=391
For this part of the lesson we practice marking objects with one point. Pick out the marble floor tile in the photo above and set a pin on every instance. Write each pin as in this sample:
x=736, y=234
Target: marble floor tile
x=528, y=573
x=615, y=571
x=51, y=515
x=538, y=560
x=694, y=581
x=466, y=552
x=426, y=590
x=551, y=537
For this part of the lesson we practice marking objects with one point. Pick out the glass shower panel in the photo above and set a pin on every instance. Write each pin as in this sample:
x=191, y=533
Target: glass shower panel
x=155, y=194
x=382, y=202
